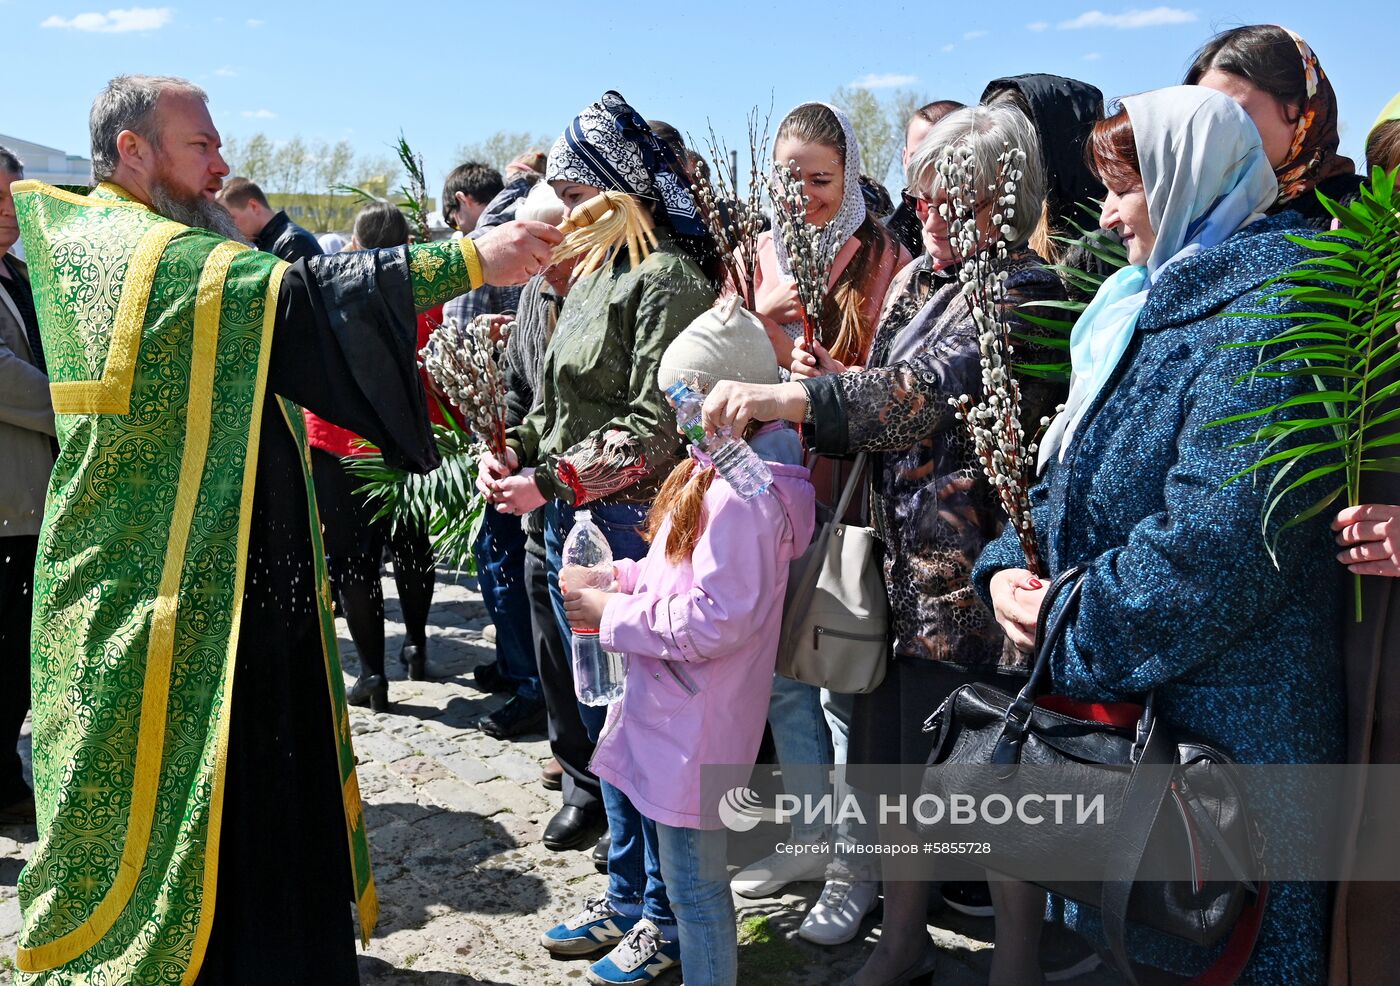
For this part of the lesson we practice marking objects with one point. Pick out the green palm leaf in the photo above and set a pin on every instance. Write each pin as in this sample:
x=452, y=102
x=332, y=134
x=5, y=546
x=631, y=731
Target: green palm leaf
x=1346, y=339
x=1057, y=318
x=445, y=502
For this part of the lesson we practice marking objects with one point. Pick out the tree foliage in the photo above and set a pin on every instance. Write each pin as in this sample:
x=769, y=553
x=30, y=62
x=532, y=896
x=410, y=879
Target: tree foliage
x=879, y=127
x=502, y=147
x=306, y=174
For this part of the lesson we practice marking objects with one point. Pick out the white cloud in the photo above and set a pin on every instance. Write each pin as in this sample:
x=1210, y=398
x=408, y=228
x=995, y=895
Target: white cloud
x=225, y=72
x=884, y=80
x=1038, y=26
x=1130, y=19
x=1093, y=56
x=115, y=21
x=260, y=114
x=947, y=48
x=255, y=23
x=973, y=35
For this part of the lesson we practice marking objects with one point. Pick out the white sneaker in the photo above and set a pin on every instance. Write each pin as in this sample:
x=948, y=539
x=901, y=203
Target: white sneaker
x=835, y=918
x=772, y=873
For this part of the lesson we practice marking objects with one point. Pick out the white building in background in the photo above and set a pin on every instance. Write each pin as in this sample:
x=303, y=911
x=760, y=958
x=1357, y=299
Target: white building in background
x=49, y=164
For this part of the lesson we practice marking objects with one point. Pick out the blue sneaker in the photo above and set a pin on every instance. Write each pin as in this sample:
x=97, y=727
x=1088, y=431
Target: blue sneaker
x=640, y=957
x=594, y=929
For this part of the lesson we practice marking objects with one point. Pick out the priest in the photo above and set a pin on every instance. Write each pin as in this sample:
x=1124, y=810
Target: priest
x=198, y=811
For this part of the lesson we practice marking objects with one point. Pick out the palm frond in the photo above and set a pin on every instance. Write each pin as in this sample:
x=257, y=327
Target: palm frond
x=444, y=502
x=415, y=192
x=1057, y=318
x=1347, y=342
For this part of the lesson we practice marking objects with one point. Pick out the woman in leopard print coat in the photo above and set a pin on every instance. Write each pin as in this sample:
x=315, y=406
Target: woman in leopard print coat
x=930, y=502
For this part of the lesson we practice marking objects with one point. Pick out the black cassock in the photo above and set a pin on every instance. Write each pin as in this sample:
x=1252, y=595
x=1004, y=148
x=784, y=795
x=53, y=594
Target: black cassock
x=344, y=347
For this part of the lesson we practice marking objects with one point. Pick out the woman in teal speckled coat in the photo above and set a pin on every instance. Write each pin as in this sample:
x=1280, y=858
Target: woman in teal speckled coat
x=1180, y=595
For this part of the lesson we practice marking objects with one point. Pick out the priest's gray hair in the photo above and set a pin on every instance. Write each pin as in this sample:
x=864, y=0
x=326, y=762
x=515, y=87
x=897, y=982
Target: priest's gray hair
x=129, y=103
x=10, y=163
x=988, y=130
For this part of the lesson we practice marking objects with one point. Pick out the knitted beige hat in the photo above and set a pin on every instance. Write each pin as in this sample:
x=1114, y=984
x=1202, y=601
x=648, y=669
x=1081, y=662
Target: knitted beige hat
x=725, y=343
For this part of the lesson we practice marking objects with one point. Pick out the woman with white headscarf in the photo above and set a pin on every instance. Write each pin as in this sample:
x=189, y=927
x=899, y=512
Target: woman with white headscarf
x=819, y=142
x=1180, y=596
x=810, y=725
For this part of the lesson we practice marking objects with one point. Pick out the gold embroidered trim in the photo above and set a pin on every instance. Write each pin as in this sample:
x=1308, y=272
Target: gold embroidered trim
x=245, y=523
x=150, y=741
x=123, y=199
x=473, y=259
x=111, y=394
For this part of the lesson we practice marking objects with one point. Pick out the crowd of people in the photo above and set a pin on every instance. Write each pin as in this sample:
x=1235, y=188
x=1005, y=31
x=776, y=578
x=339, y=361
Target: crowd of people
x=1206, y=185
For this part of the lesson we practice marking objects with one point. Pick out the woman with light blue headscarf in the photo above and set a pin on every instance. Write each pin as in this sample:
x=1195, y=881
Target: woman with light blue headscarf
x=1180, y=596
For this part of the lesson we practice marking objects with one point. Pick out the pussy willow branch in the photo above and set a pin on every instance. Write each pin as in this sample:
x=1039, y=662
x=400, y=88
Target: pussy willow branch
x=810, y=261
x=465, y=361
x=979, y=247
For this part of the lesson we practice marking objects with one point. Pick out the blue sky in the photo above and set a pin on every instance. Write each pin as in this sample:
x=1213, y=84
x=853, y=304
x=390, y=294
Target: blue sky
x=457, y=72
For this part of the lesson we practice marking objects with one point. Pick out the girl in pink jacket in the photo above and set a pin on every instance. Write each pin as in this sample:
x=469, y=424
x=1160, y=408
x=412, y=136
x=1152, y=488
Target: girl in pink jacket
x=698, y=619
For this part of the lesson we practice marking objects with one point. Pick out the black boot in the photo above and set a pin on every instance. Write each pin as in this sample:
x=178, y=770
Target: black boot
x=517, y=717
x=371, y=690
x=414, y=658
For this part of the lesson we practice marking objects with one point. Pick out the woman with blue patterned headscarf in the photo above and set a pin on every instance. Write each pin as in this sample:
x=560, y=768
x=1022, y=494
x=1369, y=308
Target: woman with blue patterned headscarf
x=1180, y=596
x=601, y=436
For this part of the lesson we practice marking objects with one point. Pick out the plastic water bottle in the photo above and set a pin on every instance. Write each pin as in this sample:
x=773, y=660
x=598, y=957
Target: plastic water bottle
x=737, y=463
x=587, y=562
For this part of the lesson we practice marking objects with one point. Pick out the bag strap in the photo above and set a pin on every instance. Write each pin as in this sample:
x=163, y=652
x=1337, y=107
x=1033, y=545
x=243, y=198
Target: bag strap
x=1137, y=815
x=852, y=482
x=1047, y=634
x=1142, y=803
x=807, y=582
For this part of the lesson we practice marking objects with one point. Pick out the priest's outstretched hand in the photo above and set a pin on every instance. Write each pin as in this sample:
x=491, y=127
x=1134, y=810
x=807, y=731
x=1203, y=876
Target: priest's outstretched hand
x=514, y=252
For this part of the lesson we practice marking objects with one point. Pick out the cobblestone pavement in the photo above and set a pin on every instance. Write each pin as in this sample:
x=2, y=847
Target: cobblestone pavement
x=465, y=886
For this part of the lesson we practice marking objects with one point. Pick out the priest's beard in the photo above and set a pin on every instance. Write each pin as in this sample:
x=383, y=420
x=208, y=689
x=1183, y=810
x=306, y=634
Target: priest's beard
x=197, y=211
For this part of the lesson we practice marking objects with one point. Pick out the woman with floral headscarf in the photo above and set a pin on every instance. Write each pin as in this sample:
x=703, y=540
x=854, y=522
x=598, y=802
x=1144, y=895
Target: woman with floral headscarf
x=1275, y=76
x=1365, y=912
x=602, y=436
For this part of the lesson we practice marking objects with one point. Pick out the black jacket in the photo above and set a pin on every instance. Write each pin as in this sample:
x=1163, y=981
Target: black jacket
x=287, y=240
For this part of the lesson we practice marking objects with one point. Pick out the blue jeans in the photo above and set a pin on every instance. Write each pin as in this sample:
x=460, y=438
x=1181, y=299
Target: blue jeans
x=500, y=573
x=634, y=869
x=811, y=726
x=837, y=708
x=802, y=740
x=704, y=907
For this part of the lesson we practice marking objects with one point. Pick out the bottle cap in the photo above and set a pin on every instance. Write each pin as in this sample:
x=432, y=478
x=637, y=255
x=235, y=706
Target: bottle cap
x=582, y=515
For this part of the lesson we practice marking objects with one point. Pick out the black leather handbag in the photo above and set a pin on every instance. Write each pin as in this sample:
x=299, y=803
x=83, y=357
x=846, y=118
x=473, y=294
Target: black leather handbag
x=1172, y=798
